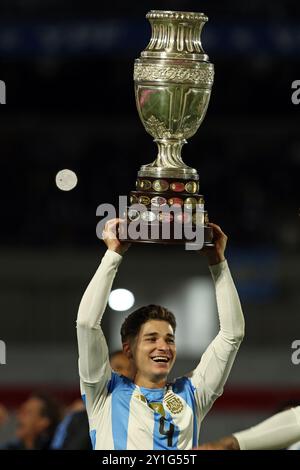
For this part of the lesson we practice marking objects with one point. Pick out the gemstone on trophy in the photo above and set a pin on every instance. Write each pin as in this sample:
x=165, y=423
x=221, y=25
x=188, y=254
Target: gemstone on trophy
x=190, y=203
x=165, y=217
x=134, y=199
x=144, y=184
x=158, y=201
x=175, y=201
x=201, y=203
x=133, y=214
x=183, y=218
x=148, y=216
x=160, y=185
x=177, y=187
x=191, y=187
x=198, y=218
x=200, y=207
x=145, y=200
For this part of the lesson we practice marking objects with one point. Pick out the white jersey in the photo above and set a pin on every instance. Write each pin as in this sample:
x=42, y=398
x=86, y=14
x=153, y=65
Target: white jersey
x=125, y=416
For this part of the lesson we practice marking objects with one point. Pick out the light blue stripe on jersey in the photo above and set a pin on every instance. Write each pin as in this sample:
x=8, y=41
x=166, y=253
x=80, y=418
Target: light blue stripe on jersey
x=160, y=441
x=92, y=431
x=185, y=389
x=121, y=390
x=61, y=432
x=93, y=438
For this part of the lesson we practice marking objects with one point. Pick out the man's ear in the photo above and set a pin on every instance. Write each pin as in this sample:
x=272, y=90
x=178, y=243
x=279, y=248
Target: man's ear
x=127, y=350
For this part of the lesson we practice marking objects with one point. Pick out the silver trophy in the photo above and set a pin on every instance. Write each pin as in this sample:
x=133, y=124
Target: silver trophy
x=173, y=79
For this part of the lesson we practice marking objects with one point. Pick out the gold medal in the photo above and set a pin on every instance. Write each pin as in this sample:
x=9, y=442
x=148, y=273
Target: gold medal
x=173, y=403
x=144, y=184
x=201, y=203
x=158, y=201
x=142, y=398
x=177, y=187
x=148, y=216
x=160, y=185
x=145, y=200
x=191, y=187
x=198, y=218
x=175, y=201
x=133, y=199
x=190, y=202
x=183, y=218
x=165, y=217
x=158, y=408
x=133, y=214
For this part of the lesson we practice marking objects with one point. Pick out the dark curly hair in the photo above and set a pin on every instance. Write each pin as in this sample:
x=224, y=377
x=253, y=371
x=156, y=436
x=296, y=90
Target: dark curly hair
x=132, y=324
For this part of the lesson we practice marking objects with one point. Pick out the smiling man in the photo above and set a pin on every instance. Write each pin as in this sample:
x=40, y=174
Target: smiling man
x=148, y=412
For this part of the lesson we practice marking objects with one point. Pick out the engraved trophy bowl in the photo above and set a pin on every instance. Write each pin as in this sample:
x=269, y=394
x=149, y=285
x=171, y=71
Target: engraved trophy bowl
x=173, y=79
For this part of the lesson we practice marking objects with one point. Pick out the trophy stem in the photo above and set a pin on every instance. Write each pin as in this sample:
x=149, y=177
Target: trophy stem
x=169, y=153
x=168, y=162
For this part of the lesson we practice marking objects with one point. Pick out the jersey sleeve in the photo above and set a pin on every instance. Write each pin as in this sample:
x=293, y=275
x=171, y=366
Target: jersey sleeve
x=277, y=432
x=94, y=367
x=212, y=372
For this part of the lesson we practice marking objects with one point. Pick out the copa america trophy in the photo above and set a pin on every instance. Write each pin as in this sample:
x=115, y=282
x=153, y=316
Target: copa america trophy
x=173, y=80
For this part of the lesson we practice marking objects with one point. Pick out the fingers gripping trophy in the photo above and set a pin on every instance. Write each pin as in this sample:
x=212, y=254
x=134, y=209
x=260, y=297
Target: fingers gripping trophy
x=173, y=79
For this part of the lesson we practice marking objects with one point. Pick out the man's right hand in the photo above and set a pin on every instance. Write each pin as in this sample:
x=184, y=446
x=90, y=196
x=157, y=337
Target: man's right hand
x=110, y=237
x=215, y=254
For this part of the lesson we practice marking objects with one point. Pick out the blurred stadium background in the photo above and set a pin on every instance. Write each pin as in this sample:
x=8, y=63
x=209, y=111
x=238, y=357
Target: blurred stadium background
x=68, y=70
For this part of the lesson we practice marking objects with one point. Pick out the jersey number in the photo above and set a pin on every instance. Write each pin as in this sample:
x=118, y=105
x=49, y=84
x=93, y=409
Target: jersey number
x=169, y=433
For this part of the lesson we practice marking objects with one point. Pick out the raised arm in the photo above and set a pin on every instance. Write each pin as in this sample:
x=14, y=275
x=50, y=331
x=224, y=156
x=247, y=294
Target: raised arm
x=278, y=432
x=94, y=368
x=212, y=372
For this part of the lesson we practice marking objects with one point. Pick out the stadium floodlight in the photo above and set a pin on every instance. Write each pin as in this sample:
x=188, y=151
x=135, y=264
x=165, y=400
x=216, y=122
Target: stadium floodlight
x=121, y=300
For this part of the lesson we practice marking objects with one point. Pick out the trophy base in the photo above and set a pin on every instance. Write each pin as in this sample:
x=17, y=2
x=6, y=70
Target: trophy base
x=207, y=242
x=167, y=211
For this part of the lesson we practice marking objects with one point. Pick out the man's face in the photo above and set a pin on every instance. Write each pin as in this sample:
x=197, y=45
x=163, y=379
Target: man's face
x=31, y=422
x=154, y=350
